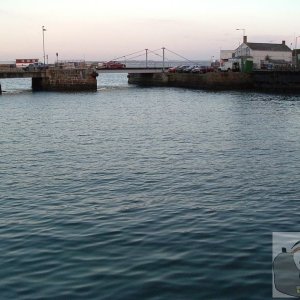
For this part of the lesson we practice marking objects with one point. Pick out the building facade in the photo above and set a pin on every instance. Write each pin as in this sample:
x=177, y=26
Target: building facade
x=263, y=54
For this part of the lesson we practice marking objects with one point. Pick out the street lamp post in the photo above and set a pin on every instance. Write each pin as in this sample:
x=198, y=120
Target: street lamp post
x=244, y=30
x=43, y=30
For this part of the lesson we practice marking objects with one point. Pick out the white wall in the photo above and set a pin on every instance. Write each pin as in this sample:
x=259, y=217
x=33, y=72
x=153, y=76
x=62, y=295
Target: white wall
x=244, y=50
x=276, y=55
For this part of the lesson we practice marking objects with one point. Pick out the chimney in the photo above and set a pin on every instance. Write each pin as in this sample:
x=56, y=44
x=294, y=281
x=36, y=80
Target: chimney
x=283, y=42
x=244, y=39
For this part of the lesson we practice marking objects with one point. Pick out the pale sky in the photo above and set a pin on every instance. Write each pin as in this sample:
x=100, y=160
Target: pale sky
x=105, y=29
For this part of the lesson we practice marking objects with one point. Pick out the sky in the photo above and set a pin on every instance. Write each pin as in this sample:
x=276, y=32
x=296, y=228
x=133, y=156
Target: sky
x=106, y=29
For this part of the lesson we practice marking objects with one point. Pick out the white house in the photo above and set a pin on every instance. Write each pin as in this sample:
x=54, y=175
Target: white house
x=262, y=52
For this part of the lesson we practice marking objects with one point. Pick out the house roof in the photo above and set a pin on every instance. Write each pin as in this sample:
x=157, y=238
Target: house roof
x=268, y=47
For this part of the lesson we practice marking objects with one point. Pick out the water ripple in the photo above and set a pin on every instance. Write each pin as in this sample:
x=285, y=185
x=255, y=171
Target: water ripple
x=134, y=193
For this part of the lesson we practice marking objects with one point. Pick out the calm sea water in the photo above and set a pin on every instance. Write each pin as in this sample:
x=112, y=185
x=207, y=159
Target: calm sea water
x=144, y=193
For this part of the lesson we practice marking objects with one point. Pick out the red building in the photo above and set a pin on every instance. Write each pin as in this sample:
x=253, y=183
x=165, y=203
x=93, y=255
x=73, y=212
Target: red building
x=24, y=62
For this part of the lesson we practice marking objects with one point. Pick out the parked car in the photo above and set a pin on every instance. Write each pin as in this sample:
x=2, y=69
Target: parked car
x=189, y=69
x=202, y=69
x=35, y=67
x=181, y=69
x=172, y=70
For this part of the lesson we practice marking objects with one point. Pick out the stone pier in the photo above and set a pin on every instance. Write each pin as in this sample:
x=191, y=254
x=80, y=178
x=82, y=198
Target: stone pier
x=66, y=80
x=259, y=80
x=56, y=79
x=209, y=81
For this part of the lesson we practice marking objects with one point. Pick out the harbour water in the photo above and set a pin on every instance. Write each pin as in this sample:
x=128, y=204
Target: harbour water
x=144, y=193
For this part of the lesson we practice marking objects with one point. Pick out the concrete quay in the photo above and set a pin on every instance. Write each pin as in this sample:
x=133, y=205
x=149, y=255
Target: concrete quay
x=66, y=80
x=209, y=81
x=55, y=79
x=277, y=81
x=268, y=81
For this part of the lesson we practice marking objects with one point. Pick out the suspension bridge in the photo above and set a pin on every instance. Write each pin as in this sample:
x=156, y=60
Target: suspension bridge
x=83, y=76
x=140, y=60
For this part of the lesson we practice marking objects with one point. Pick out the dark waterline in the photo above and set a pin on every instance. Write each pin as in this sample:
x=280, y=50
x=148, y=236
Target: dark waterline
x=154, y=193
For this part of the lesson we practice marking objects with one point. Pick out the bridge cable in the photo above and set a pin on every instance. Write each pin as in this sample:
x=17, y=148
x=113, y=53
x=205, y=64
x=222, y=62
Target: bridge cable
x=136, y=56
x=155, y=53
x=180, y=55
x=128, y=54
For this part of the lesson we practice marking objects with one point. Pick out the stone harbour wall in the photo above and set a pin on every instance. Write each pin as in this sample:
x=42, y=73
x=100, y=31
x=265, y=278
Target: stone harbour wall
x=148, y=79
x=265, y=81
x=283, y=81
x=210, y=81
x=66, y=80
